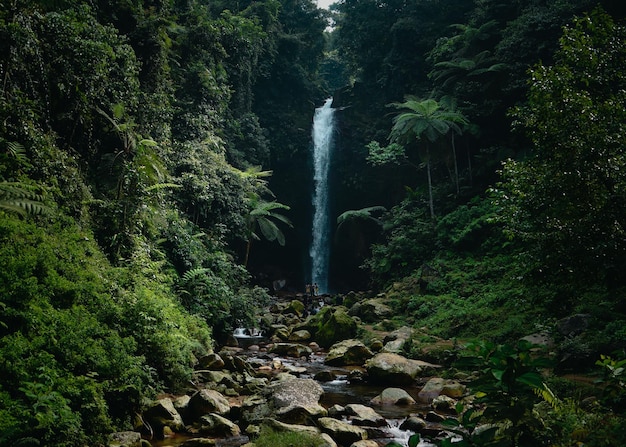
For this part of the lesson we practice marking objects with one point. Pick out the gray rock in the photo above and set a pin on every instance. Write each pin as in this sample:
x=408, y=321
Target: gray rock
x=341, y=432
x=125, y=439
x=325, y=376
x=163, y=414
x=540, y=339
x=291, y=349
x=371, y=311
x=393, y=396
x=573, y=325
x=348, y=352
x=443, y=403
x=300, y=336
x=211, y=361
x=365, y=443
x=205, y=402
x=216, y=425
x=413, y=423
x=296, y=401
x=436, y=386
x=336, y=411
x=364, y=416
x=394, y=369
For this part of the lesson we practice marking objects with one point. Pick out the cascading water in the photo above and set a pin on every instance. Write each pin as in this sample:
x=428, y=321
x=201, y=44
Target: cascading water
x=323, y=129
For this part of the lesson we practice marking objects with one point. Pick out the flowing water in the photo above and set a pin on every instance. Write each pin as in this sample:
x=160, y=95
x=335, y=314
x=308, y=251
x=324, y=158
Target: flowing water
x=323, y=132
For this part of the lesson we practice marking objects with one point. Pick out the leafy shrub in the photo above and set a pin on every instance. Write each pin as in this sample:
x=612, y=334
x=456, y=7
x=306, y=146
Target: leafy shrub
x=81, y=342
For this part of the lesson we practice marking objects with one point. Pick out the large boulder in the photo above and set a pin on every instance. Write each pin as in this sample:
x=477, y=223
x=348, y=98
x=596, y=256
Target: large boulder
x=348, y=352
x=296, y=401
x=394, y=369
x=393, y=396
x=333, y=325
x=205, y=402
x=163, y=414
x=342, y=432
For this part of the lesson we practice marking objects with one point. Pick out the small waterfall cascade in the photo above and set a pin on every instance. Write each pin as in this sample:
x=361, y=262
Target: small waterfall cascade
x=323, y=130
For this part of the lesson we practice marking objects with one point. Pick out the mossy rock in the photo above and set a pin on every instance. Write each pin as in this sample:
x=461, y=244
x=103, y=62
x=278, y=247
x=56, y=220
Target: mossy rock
x=335, y=325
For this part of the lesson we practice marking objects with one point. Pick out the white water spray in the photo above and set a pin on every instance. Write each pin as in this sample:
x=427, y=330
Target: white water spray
x=323, y=129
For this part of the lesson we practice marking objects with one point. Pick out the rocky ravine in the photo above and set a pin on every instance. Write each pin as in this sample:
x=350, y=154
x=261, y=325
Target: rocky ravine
x=234, y=395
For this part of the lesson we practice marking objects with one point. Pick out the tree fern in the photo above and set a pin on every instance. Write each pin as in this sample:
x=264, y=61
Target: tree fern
x=22, y=199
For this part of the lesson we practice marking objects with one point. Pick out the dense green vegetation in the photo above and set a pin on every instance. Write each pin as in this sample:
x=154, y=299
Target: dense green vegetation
x=136, y=143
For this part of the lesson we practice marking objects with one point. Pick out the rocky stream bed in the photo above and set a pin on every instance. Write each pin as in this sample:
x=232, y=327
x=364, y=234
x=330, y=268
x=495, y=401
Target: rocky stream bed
x=308, y=374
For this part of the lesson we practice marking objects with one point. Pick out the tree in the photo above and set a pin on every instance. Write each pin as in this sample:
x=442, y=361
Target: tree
x=567, y=201
x=427, y=120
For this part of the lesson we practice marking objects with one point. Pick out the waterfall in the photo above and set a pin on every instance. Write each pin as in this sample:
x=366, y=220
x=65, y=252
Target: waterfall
x=323, y=128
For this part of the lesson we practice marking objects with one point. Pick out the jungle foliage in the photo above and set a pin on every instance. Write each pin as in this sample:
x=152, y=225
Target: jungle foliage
x=137, y=140
x=130, y=149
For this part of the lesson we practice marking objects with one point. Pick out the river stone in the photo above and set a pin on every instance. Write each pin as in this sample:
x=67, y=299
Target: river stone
x=403, y=332
x=296, y=401
x=300, y=336
x=291, y=349
x=211, y=361
x=294, y=307
x=234, y=363
x=393, y=396
x=365, y=443
x=348, y=352
x=281, y=334
x=388, y=368
x=376, y=345
x=278, y=426
x=413, y=423
x=443, y=403
x=343, y=433
x=395, y=341
x=216, y=425
x=362, y=415
x=436, y=386
x=371, y=311
x=336, y=411
x=125, y=439
x=454, y=389
x=163, y=414
x=325, y=376
x=205, y=402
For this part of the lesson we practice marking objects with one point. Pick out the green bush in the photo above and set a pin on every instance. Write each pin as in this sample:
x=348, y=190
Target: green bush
x=82, y=343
